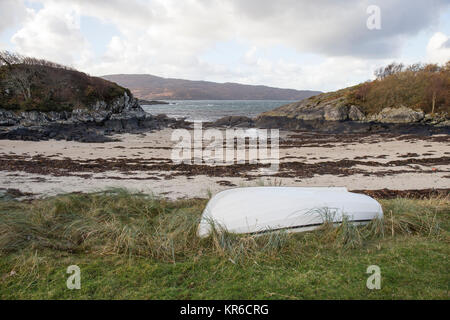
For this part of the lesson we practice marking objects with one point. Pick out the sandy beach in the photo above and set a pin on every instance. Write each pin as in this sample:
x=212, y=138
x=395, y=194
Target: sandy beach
x=142, y=162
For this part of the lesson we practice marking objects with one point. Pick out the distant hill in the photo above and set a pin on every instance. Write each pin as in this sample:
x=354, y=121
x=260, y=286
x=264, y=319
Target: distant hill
x=29, y=84
x=149, y=87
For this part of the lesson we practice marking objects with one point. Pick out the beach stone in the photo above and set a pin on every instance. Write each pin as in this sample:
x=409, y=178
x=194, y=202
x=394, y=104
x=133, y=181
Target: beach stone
x=399, y=115
x=355, y=114
x=336, y=113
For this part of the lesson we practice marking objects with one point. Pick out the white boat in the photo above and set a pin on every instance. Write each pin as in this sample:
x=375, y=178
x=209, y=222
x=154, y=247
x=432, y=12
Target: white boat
x=294, y=209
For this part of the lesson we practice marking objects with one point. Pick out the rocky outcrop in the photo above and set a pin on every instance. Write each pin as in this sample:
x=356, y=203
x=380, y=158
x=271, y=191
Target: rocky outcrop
x=87, y=125
x=401, y=114
x=328, y=108
x=8, y=118
x=334, y=113
x=234, y=121
x=348, y=127
x=355, y=114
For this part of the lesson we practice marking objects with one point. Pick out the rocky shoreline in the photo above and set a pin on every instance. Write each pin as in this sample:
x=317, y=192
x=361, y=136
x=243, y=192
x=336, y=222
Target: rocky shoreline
x=341, y=127
x=331, y=126
x=331, y=114
x=124, y=115
x=96, y=124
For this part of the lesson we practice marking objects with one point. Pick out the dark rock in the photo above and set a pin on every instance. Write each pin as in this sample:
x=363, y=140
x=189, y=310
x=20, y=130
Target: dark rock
x=123, y=115
x=34, y=118
x=8, y=118
x=149, y=122
x=130, y=124
x=234, y=121
x=161, y=116
x=151, y=102
x=114, y=125
x=348, y=126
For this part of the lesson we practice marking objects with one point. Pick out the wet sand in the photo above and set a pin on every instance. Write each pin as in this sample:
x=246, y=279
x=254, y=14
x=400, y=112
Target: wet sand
x=142, y=162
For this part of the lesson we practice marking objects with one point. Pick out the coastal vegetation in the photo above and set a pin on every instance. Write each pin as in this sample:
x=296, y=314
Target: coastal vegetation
x=30, y=84
x=399, y=94
x=135, y=246
x=423, y=87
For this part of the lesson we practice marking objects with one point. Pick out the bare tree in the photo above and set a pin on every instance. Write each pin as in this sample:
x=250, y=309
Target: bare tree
x=437, y=88
x=389, y=70
x=21, y=80
x=416, y=67
x=20, y=77
x=10, y=58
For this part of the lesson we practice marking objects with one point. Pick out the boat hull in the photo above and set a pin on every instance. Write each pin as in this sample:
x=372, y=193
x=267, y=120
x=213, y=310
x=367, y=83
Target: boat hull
x=293, y=209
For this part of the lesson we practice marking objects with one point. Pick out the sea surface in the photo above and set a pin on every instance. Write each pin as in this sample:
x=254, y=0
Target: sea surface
x=211, y=110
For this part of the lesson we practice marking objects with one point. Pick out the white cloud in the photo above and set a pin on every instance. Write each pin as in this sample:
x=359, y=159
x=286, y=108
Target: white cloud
x=53, y=33
x=335, y=28
x=438, y=48
x=169, y=37
x=329, y=74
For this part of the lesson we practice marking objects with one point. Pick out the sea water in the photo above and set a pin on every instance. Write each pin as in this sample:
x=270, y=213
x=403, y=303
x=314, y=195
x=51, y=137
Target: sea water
x=211, y=110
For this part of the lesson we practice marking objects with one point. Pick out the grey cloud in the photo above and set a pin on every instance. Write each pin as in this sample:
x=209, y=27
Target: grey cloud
x=12, y=12
x=338, y=27
x=328, y=27
x=169, y=37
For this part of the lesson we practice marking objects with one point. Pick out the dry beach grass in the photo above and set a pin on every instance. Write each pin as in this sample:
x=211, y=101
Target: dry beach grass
x=131, y=245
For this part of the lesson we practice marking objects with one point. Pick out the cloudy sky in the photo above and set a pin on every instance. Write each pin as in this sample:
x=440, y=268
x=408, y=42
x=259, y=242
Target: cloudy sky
x=321, y=45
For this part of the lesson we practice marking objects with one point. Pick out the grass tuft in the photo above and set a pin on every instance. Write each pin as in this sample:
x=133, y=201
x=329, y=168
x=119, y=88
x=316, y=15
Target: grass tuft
x=118, y=222
x=140, y=235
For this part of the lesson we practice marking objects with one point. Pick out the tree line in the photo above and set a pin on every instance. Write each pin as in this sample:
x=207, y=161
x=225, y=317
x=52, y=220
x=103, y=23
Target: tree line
x=8, y=58
x=395, y=68
x=419, y=86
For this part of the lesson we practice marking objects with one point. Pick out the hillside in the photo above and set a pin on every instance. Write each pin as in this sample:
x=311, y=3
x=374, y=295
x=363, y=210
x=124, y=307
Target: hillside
x=42, y=100
x=149, y=87
x=399, y=95
x=28, y=84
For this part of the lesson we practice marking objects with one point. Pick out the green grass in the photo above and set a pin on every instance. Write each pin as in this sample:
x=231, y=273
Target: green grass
x=132, y=246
